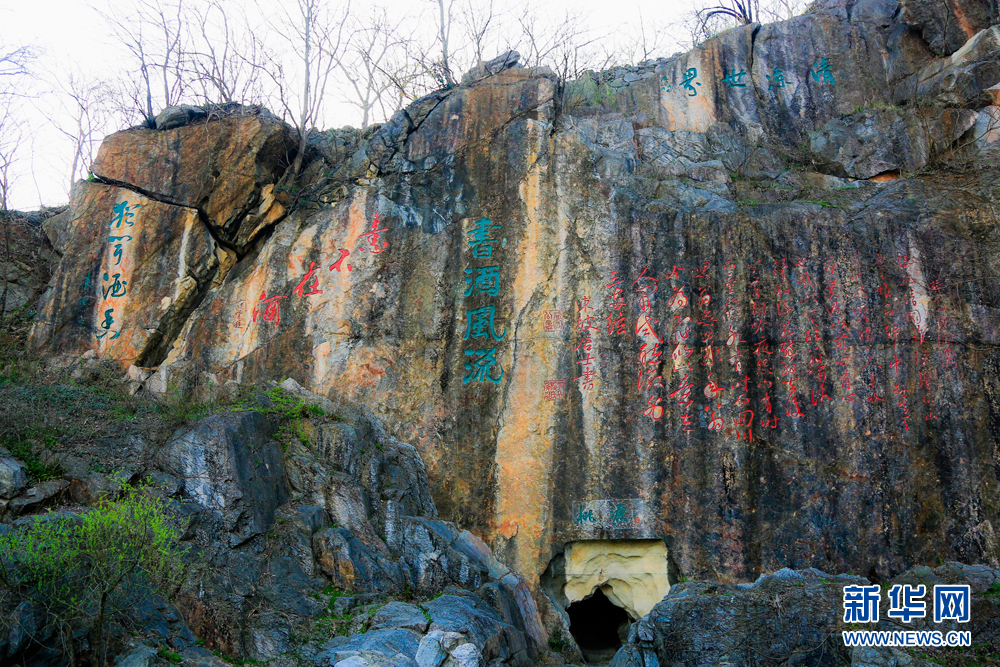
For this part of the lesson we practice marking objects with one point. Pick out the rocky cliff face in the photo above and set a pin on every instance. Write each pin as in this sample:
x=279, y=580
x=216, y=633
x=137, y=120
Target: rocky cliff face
x=745, y=302
x=323, y=547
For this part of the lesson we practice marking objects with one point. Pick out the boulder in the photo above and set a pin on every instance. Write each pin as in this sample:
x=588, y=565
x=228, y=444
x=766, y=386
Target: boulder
x=966, y=78
x=140, y=656
x=229, y=464
x=487, y=68
x=465, y=655
x=435, y=557
x=785, y=615
x=218, y=167
x=469, y=616
x=170, y=118
x=876, y=141
x=436, y=647
x=38, y=496
x=872, y=656
x=13, y=479
x=947, y=26
x=352, y=566
x=27, y=261
x=399, y=615
x=57, y=228
x=388, y=643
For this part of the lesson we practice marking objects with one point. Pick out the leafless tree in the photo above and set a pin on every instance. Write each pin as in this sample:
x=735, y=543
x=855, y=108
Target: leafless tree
x=89, y=104
x=14, y=63
x=315, y=34
x=705, y=21
x=445, y=19
x=373, y=62
x=638, y=42
x=565, y=45
x=224, y=57
x=479, y=24
x=153, y=34
x=13, y=133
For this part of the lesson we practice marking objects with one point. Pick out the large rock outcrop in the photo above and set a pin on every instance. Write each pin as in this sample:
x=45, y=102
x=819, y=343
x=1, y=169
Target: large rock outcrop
x=219, y=168
x=643, y=315
x=796, y=618
x=289, y=545
x=27, y=259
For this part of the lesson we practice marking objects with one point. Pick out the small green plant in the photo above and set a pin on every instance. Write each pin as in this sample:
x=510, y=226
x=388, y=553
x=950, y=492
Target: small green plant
x=879, y=106
x=556, y=641
x=170, y=656
x=33, y=466
x=994, y=589
x=823, y=203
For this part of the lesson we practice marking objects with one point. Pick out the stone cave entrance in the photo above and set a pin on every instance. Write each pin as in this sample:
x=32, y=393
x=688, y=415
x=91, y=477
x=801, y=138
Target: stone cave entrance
x=598, y=626
x=599, y=587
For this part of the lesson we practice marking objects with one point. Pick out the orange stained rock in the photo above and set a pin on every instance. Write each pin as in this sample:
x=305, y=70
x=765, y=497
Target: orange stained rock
x=508, y=528
x=968, y=27
x=885, y=177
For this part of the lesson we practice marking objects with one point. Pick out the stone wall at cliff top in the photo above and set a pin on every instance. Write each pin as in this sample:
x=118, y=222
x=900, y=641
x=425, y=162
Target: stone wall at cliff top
x=570, y=306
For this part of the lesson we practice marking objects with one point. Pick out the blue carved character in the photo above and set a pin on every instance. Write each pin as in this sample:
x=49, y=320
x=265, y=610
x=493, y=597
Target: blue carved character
x=618, y=513
x=123, y=214
x=486, y=281
x=583, y=517
x=777, y=79
x=107, y=324
x=821, y=68
x=735, y=79
x=479, y=324
x=480, y=364
x=689, y=82
x=119, y=242
x=118, y=288
x=482, y=244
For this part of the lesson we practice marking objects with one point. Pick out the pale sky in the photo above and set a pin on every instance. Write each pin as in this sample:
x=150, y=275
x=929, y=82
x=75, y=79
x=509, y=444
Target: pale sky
x=70, y=35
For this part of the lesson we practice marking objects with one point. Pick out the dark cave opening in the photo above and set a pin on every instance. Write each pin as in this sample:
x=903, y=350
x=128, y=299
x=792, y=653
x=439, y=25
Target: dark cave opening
x=597, y=625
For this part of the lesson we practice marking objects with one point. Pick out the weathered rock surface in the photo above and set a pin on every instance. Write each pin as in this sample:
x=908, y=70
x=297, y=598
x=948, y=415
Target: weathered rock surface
x=633, y=574
x=679, y=312
x=265, y=547
x=132, y=270
x=947, y=26
x=228, y=463
x=794, y=617
x=878, y=141
x=27, y=260
x=13, y=479
x=216, y=167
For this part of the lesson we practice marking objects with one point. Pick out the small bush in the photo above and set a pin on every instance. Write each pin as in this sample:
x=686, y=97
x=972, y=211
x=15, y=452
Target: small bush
x=88, y=571
x=556, y=641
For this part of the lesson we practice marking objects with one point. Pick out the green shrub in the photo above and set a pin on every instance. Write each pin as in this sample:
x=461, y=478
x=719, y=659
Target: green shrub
x=88, y=571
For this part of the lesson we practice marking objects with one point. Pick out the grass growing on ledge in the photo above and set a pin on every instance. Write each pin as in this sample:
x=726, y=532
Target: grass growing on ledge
x=47, y=415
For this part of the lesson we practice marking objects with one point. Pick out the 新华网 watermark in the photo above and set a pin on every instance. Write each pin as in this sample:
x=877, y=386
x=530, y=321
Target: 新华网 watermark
x=951, y=603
